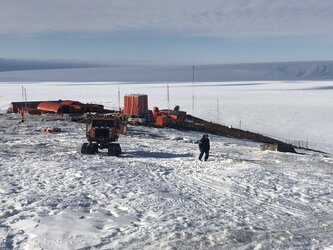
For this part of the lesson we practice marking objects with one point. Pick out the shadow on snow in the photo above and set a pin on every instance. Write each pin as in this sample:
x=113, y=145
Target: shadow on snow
x=145, y=154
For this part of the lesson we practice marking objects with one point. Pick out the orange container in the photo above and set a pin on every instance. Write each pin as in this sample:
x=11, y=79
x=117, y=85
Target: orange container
x=135, y=104
x=161, y=120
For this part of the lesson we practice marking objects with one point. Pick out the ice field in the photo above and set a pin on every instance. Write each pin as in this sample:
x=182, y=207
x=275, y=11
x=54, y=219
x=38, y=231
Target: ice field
x=292, y=111
x=158, y=195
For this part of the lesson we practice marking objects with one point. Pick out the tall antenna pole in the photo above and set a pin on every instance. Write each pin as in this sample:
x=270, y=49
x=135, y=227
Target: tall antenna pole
x=22, y=112
x=24, y=96
x=217, y=110
x=193, y=90
x=118, y=97
x=168, y=96
x=24, y=99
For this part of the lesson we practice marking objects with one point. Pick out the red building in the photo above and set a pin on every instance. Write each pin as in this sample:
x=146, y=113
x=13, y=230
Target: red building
x=60, y=107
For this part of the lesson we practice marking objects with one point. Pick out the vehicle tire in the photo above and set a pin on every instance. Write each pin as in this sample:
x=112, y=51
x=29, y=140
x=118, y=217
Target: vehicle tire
x=91, y=149
x=84, y=148
x=114, y=149
x=95, y=148
x=118, y=149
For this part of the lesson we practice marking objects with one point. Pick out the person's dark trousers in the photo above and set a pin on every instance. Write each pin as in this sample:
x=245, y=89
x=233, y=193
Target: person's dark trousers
x=206, y=155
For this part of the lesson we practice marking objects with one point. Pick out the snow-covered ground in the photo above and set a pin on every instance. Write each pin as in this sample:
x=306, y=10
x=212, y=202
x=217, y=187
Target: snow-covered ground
x=157, y=195
x=290, y=111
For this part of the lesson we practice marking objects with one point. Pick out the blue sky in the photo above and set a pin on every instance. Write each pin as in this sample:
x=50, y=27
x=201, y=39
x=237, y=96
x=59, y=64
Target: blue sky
x=167, y=32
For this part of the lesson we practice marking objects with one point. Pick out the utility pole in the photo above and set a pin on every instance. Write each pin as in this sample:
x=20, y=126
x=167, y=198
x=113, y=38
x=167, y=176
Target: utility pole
x=24, y=99
x=193, y=90
x=168, y=96
x=119, y=97
x=22, y=93
x=217, y=110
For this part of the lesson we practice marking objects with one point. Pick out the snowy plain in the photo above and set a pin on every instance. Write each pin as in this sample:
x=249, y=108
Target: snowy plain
x=292, y=111
x=157, y=195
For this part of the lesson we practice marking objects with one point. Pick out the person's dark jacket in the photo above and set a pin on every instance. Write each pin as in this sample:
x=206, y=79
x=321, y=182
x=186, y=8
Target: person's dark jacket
x=204, y=144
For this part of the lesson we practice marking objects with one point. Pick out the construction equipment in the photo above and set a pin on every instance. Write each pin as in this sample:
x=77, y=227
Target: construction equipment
x=164, y=117
x=103, y=132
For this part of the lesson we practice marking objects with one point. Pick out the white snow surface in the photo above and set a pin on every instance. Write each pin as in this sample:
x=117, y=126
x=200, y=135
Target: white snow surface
x=157, y=194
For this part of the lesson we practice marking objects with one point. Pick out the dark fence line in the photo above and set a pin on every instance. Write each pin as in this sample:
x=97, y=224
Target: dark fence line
x=197, y=124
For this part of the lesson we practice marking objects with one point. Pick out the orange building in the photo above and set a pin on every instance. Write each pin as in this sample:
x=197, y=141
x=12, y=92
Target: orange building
x=135, y=104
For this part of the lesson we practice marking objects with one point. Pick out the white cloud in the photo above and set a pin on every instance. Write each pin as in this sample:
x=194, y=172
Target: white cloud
x=221, y=18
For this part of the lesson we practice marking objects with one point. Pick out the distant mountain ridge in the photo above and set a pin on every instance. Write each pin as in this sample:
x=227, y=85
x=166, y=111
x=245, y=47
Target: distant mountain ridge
x=279, y=71
x=315, y=70
x=24, y=64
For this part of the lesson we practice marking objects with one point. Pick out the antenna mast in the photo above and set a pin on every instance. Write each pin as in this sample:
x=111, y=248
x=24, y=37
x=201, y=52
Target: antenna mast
x=119, y=97
x=22, y=93
x=168, y=96
x=217, y=110
x=24, y=99
x=193, y=90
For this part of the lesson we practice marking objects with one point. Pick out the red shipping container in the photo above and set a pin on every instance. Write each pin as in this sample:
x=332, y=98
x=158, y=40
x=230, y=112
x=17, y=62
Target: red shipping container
x=135, y=104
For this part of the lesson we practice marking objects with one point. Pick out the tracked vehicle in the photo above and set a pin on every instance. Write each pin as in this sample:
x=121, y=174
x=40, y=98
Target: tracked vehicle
x=103, y=132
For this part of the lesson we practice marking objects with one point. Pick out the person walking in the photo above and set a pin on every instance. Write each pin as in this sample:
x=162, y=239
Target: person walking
x=204, y=147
